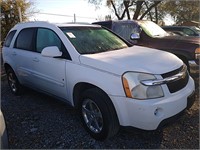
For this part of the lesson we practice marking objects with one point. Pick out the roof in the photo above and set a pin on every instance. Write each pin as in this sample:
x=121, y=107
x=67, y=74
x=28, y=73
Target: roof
x=76, y=25
x=47, y=24
x=115, y=21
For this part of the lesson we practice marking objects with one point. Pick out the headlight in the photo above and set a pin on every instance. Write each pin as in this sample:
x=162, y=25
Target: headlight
x=135, y=89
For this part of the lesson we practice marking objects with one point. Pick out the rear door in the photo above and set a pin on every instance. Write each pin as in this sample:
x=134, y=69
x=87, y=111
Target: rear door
x=22, y=54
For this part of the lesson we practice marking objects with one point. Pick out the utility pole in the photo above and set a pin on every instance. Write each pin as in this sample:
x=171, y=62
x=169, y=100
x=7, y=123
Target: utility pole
x=74, y=18
x=20, y=14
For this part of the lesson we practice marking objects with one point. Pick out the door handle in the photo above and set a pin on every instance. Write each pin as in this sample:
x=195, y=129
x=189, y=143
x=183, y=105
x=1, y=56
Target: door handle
x=36, y=59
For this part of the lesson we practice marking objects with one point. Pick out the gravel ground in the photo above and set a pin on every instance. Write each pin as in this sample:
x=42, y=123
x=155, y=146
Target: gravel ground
x=36, y=121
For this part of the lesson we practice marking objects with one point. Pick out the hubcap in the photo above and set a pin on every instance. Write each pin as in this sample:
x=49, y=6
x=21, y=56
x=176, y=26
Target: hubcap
x=92, y=116
x=12, y=82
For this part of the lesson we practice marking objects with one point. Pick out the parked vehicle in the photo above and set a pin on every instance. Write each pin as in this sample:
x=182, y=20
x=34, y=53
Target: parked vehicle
x=110, y=82
x=148, y=34
x=3, y=132
x=177, y=33
x=187, y=30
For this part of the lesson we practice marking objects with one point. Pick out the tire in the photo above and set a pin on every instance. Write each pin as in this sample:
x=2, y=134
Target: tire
x=98, y=114
x=13, y=82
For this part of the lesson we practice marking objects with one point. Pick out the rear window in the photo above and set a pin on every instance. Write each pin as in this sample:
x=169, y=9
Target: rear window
x=9, y=38
x=90, y=40
x=125, y=29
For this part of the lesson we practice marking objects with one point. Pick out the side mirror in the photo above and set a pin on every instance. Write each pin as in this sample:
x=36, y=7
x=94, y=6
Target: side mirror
x=135, y=36
x=51, y=51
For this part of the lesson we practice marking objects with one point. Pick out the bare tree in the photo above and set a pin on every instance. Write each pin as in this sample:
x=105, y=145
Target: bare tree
x=122, y=8
x=182, y=10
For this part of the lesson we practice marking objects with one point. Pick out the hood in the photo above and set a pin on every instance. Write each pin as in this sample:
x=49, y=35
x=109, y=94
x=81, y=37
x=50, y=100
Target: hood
x=135, y=58
x=185, y=39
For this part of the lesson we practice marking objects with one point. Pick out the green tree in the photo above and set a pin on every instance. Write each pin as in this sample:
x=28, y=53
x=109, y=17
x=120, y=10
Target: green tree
x=181, y=10
x=125, y=8
x=10, y=14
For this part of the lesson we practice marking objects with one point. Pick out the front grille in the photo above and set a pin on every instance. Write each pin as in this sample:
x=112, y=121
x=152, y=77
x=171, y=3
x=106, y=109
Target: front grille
x=177, y=84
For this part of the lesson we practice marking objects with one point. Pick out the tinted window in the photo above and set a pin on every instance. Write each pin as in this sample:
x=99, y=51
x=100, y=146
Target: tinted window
x=89, y=40
x=25, y=39
x=9, y=38
x=45, y=38
x=188, y=32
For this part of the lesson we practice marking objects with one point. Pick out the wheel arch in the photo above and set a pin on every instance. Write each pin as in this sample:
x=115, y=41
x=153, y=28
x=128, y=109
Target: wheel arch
x=81, y=87
x=7, y=66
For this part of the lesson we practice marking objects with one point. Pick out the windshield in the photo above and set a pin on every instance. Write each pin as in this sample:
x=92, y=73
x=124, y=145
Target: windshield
x=152, y=29
x=90, y=40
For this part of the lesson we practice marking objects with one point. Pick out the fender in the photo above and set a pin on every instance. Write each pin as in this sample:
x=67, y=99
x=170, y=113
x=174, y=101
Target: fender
x=77, y=73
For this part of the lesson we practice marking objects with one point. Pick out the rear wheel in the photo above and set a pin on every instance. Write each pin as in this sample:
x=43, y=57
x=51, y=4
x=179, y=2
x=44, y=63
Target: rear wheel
x=13, y=82
x=98, y=114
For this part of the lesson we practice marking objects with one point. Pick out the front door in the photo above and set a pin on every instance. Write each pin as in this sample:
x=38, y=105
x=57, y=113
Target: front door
x=49, y=73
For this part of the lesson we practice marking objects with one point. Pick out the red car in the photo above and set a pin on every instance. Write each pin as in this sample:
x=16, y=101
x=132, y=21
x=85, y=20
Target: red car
x=148, y=34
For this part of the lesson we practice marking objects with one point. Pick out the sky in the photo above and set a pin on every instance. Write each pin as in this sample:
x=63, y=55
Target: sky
x=67, y=9
x=84, y=11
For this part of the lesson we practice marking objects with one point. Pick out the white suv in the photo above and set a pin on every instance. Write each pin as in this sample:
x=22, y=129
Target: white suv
x=94, y=70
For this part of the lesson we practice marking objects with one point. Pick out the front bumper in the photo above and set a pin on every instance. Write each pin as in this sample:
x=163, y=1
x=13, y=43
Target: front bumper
x=190, y=102
x=148, y=114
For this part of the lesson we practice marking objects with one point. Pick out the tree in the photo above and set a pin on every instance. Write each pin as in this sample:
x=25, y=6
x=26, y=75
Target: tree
x=152, y=11
x=182, y=10
x=10, y=14
x=124, y=8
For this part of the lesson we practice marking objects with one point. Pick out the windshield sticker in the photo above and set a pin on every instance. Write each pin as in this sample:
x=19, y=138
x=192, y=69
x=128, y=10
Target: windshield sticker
x=71, y=35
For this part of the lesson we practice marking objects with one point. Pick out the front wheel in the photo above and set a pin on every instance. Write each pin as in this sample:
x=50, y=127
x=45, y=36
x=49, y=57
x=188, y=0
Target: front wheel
x=98, y=114
x=13, y=82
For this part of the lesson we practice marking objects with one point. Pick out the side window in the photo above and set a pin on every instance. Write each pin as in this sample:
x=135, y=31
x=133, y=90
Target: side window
x=45, y=38
x=9, y=38
x=25, y=39
x=188, y=32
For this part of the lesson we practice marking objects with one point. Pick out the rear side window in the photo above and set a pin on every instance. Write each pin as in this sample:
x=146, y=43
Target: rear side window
x=9, y=38
x=45, y=38
x=25, y=39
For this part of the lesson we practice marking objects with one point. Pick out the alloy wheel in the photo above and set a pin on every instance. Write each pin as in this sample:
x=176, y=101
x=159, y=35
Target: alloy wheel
x=92, y=116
